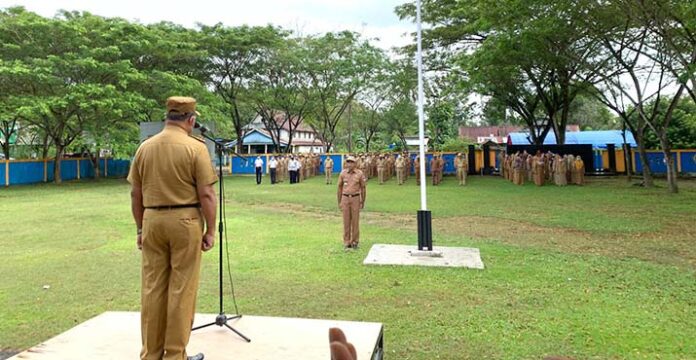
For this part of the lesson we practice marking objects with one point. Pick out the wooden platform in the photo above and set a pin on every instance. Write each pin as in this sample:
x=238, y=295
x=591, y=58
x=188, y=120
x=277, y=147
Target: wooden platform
x=116, y=335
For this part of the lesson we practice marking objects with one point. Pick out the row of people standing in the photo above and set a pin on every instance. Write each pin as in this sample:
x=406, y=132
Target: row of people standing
x=292, y=168
x=385, y=166
x=543, y=168
x=380, y=166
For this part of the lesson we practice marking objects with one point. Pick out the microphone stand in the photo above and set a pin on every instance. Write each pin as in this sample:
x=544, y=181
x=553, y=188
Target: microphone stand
x=221, y=319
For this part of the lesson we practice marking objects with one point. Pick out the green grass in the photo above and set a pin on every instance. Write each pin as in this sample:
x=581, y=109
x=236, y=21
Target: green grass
x=604, y=271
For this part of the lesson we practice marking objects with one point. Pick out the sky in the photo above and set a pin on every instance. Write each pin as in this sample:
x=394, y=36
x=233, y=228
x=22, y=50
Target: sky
x=374, y=19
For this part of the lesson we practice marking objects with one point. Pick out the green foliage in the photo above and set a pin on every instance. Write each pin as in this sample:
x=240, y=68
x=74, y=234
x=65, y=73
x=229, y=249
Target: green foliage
x=456, y=145
x=682, y=130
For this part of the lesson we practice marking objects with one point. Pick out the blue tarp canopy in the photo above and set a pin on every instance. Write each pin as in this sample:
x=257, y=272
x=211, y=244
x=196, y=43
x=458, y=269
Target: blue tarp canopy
x=598, y=139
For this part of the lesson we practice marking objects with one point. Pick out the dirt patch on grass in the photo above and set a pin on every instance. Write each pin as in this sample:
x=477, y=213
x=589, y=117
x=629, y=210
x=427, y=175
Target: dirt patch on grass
x=674, y=245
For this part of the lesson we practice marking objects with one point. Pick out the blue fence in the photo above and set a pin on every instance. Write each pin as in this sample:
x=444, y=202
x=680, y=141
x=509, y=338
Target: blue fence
x=32, y=172
x=685, y=161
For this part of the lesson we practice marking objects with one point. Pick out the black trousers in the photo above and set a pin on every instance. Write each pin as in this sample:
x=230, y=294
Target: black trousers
x=273, y=176
x=293, y=176
x=259, y=172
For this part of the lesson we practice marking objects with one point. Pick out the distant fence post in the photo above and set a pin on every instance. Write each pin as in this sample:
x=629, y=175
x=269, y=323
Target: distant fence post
x=106, y=167
x=45, y=168
x=677, y=153
x=78, y=169
x=7, y=172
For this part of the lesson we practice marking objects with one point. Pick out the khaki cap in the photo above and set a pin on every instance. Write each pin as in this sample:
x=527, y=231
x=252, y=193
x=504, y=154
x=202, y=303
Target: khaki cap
x=181, y=105
x=350, y=158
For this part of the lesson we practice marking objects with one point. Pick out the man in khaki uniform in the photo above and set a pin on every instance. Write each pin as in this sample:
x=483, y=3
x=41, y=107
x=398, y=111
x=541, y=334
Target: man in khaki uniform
x=435, y=169
x=351, y=198
x=461, y=165
x=416, y=169
x=381, y=169
x=400, y=163
x=172, y=192
x=328, y=168
x=440, y=168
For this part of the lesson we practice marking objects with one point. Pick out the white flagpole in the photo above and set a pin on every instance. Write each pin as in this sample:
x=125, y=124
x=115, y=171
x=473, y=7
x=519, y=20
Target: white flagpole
x=421, y=116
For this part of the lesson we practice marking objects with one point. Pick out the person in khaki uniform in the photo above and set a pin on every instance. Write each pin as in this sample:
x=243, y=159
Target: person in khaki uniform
x=172, y=192
x=440, y=167
x=381, y=169
x=578, y=171
x=400, y=163
x=416, y=169
x=351, y=196
x=328, y=169
x=461, y=165
x=435, y=169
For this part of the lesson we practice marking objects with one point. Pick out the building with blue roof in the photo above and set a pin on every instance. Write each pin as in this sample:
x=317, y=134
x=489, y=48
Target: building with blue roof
x=598, y=139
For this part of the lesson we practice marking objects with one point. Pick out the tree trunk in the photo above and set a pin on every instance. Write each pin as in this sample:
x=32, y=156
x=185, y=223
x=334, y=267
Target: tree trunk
x=6, y=148
x=669, y=161
x=45, y=147
x=57, y=162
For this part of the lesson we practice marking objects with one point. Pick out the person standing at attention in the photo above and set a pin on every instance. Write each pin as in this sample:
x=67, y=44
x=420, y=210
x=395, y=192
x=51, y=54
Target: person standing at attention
x=172, y=197
x=328, y=168
x=258, y=165
x=273, y=166
x=351, y=196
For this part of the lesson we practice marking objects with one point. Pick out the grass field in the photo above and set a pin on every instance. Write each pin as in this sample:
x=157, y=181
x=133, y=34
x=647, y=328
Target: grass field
x=604, y=271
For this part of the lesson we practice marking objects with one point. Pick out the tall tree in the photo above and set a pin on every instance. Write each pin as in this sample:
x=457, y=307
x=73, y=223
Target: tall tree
x=233, y=54
x=339, y=65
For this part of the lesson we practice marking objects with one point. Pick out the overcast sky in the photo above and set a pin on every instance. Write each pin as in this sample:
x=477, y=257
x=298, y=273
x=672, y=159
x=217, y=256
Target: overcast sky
x=372, y=18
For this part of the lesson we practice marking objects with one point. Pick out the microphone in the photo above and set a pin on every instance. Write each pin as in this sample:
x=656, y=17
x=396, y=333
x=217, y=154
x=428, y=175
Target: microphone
x=200, y=127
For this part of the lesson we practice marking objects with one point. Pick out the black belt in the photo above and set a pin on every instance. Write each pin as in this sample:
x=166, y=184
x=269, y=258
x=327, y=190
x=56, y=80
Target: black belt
x=170, y=207
x=351, y=195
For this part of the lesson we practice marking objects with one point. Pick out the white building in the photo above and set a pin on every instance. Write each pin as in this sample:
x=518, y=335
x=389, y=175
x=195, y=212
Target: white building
x=258, y=140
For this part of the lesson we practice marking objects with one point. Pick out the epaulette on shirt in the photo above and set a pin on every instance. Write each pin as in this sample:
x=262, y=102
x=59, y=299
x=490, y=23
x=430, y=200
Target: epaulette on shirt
x=198, y=138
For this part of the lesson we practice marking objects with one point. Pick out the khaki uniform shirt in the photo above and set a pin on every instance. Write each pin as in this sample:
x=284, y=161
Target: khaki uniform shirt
x=169, y=166
x=353, y=181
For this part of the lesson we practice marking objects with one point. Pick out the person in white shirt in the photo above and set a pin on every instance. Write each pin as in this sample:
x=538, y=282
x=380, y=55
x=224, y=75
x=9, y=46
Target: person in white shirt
x=272, y=165
x=293, y=168
x=258, y=164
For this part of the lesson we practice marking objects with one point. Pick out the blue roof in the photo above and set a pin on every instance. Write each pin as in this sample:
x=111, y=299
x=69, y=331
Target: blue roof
x=255, y=137
x=598, y=139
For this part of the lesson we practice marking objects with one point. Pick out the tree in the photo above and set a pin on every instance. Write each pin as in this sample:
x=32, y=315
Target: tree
x=641, y=73
x=682, y=131
x=537, y=44
x=339, y=65
x=278, y=90
x=232, y=57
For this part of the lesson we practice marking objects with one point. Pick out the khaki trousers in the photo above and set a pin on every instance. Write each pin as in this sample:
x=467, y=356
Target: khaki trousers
x=400, y=176
x=380, y=175
x=350, y=207
x=436, y=177
x=171, y=257
x=461, y=175
x=328, y=174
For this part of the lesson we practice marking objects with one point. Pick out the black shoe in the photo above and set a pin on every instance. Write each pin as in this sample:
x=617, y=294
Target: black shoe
x=355, y=246
x=198, y=356
x=347, y=247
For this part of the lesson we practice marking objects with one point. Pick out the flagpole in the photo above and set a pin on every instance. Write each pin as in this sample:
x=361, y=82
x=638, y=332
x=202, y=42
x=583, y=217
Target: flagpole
x=425, y=241
x=421, y=115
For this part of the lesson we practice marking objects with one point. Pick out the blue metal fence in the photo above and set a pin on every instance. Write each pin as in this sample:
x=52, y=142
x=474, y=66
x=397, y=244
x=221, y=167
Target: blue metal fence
x=32, y=172
x=688, y=162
